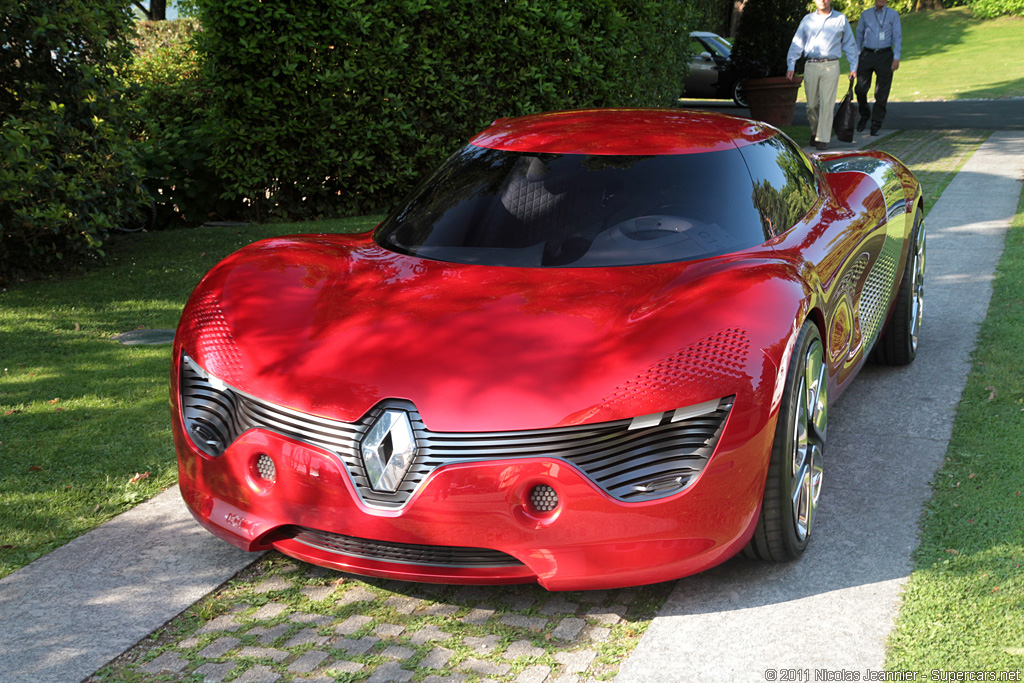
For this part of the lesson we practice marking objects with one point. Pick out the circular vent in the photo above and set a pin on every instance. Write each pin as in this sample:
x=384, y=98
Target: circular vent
x=543, y=498
x=265, y=467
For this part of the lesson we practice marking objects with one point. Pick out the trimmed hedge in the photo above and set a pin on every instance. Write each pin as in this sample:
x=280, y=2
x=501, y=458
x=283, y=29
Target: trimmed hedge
x=172, y=107
x=336, y=108
x=67, y=165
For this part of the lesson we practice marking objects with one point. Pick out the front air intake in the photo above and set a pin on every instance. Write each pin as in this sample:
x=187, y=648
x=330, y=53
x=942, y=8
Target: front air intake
x=631, y=464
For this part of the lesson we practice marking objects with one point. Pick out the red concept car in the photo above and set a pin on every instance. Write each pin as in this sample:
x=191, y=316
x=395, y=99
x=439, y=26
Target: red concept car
x=594, y=349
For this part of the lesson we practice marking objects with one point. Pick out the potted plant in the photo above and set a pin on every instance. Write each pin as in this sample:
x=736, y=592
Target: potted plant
x=763, y=37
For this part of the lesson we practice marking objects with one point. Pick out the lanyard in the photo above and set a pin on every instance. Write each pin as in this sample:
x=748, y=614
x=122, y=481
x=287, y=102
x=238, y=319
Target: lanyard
x=879, y=22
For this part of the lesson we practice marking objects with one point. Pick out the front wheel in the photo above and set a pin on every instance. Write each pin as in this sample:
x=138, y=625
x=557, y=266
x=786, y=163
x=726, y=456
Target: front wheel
x=795, y=469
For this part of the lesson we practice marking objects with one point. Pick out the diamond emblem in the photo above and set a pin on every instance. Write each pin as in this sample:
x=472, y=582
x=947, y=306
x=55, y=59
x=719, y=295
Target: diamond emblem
x=388, y=450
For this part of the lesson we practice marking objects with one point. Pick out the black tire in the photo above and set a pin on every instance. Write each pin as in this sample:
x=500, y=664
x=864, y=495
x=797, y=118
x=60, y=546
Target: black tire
x=898, y=343
x=795, y=469
x=738, y=96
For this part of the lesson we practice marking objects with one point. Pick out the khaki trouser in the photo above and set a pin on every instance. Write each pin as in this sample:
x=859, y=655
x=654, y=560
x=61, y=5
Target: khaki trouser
x=821, y=81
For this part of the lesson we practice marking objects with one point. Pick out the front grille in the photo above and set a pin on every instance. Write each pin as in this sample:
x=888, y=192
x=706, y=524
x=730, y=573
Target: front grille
x=405, y=553
x=629, y=464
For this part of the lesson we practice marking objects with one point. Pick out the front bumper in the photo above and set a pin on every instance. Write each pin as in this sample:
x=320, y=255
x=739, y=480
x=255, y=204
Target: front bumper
x=311, y=511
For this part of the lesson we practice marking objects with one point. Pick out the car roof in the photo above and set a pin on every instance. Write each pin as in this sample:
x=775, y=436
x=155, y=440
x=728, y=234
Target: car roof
x=623, y=132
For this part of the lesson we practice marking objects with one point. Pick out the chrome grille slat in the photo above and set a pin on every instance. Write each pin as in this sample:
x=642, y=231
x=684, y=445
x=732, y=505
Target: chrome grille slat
x=613, y=456
x=405, y=553
x=607, y=442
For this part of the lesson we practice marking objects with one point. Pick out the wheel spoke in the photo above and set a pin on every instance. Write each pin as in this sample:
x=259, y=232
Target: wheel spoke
x=809, y=440
x=917, y=295
x=803, y=501
x=817, y=392
x=800, y=435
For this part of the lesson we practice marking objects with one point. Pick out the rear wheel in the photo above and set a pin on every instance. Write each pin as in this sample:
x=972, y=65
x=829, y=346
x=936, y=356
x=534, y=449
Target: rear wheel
x=795, y=470
x=898, y=343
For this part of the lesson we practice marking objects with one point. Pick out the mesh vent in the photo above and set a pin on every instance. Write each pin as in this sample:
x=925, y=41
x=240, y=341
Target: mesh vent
x=875, y=299
x=265, y=467
x=543, y=498
x=848, y=285
x=405, y=553
x=211, y=337
x=720, y=357
x=618, y=459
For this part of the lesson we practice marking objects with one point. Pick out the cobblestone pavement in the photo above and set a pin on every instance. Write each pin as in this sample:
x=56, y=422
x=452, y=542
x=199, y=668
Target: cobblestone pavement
x=283, y=620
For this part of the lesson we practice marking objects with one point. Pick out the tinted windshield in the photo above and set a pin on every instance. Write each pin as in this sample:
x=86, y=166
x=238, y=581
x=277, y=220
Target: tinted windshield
x=530, y=210
x=717, y=44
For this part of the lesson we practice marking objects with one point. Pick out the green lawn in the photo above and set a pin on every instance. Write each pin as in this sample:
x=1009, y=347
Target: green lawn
x=963, y=607
x=84, y=425
x=950, y=55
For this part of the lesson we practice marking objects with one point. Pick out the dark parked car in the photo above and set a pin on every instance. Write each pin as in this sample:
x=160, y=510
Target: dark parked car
x=711, y=73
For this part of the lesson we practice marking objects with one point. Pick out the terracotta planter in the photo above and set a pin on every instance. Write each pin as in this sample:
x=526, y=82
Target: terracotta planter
x=772, y=100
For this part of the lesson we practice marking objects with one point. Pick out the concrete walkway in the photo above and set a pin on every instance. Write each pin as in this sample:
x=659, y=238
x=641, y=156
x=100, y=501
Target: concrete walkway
x=834, y=608
x=70, y=612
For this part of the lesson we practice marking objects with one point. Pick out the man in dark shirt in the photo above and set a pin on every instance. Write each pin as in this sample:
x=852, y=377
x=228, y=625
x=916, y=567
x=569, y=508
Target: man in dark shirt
x=879, y=41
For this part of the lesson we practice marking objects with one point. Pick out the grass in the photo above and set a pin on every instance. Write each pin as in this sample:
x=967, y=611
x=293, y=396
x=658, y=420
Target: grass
x=963, y=607
x=935, y=159
x=483, y=623
x=950, y=55
x=84, y=427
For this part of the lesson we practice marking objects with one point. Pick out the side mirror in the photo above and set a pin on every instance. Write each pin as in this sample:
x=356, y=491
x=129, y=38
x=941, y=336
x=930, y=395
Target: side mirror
x=706, y=56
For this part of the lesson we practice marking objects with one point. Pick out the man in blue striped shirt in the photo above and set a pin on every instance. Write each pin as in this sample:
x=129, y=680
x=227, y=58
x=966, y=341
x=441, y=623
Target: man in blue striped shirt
x=822, y=35
x=879, y=40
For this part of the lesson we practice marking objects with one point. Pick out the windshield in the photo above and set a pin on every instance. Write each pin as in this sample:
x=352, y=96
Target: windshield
x=519, y=209
x=717, y=44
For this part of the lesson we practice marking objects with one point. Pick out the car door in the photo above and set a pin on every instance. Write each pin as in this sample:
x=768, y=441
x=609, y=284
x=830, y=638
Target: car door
x=702, y=79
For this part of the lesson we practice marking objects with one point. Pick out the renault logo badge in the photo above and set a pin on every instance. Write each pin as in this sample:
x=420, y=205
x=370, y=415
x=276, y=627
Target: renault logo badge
x=388, y=450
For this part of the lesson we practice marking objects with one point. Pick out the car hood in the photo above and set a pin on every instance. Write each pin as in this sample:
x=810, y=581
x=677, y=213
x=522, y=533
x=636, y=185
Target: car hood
x=332, y=325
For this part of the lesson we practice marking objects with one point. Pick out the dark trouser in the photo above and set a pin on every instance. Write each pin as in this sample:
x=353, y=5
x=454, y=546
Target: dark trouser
x=879, y=64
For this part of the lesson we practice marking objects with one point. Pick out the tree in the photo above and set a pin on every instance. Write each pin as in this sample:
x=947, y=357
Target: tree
x=67, y=166
x=157, y=9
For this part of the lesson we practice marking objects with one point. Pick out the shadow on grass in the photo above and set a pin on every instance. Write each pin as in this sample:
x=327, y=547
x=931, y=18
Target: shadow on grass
x=934, y=32
x=81, y=415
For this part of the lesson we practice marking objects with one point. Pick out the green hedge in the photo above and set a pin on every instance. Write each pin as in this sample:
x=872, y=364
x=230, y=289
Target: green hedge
x=68, y=173
x=990, y=9
x=336, y=108
x=853, y=8
x=171, y=107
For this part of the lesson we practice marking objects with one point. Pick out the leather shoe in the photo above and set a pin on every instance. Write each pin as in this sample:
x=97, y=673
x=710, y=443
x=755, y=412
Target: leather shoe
x=811, y=143
x=821, y=145
x=862, y=124
x=874, y=131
